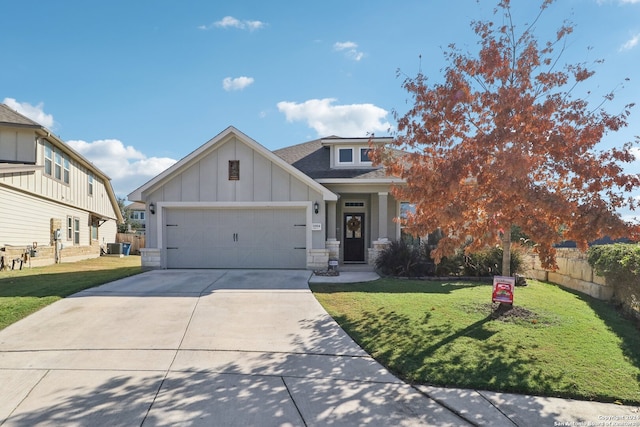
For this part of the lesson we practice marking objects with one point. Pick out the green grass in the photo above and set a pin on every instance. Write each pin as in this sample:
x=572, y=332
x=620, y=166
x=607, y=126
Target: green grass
x=25, y=291
x=442, y=333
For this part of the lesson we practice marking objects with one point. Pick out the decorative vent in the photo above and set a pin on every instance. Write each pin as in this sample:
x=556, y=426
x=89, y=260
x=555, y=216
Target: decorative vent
x=234, y=170
x=353, y=204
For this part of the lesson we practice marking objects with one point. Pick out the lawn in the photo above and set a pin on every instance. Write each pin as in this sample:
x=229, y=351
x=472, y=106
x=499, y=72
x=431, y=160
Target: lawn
x=25, y=291
x=558, y=343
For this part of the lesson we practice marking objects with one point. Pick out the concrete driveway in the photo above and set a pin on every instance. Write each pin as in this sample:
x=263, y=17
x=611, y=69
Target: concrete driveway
x=214, y=347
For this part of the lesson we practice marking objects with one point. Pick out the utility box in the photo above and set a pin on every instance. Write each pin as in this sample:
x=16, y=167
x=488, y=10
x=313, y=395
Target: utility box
x=114, y=248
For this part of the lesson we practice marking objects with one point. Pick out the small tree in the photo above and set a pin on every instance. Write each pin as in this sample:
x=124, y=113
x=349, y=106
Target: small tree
x=502, y=142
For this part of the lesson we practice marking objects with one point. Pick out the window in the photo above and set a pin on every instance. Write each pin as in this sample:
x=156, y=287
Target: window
x=364, y=155
x=58, y=166
x=67, y=170
x=48, y=158
x=90, y=184
x=136, y=215
x=345, y=155
x=94, y=229
x=69, y=228
x=234, y=170
x=76, y=231
x=406, y=209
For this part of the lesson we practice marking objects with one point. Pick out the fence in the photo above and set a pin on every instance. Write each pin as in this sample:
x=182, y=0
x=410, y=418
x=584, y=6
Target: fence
x=137, y=241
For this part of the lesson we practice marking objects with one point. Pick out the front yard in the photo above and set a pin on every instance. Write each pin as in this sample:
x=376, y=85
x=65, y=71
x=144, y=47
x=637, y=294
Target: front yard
x=555, y=343
x=25, y=291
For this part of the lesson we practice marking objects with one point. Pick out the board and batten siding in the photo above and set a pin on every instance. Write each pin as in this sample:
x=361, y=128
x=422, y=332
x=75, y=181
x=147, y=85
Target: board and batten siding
x=206, y=179
x=75, y=193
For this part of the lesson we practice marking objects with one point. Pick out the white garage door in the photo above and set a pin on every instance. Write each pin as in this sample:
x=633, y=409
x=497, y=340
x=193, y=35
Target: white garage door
x=235, y=238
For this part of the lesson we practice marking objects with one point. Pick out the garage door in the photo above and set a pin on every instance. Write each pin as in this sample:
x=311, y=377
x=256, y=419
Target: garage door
x=235, y=238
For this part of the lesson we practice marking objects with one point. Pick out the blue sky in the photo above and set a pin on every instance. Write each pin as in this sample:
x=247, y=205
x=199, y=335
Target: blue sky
x=137, y=85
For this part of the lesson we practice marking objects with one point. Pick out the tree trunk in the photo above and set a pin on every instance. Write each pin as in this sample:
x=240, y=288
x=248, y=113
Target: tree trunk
x=506, y=251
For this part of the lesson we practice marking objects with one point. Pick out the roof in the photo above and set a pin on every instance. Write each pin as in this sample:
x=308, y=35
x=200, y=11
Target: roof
x=11, y=117
x=313, y=159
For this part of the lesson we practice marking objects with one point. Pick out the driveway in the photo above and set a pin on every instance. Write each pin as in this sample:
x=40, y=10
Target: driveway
x=196, y=347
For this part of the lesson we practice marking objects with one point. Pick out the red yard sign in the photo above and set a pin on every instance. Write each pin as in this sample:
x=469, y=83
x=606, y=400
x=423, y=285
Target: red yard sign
x=503, y=289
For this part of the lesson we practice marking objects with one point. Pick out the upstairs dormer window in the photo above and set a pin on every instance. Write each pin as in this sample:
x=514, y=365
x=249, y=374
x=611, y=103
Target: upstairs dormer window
x=345, y=156
x=364, y=155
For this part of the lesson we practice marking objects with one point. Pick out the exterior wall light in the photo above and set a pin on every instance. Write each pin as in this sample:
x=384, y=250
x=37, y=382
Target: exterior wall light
x=152, y=208
x=316, y=207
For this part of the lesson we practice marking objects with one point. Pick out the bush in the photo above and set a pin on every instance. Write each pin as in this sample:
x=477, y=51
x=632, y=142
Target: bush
x=489, y=262
x=405, y=260
x=402, y=259
x=619, y=264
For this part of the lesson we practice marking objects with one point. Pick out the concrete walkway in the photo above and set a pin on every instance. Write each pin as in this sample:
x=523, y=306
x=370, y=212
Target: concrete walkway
x=228, y=348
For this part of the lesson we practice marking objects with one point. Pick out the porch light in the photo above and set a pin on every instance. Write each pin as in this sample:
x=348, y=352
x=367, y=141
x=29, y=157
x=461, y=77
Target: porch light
x=152, y=208
x=316, y=207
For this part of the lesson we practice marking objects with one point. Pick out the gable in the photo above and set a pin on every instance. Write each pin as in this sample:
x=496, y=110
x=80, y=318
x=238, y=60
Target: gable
x=205, y=175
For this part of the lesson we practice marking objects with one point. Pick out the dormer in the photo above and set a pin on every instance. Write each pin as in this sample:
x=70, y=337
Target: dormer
x=350, y=153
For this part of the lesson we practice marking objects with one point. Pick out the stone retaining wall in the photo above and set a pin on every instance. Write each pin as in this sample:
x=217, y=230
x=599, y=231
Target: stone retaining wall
x=574, y=272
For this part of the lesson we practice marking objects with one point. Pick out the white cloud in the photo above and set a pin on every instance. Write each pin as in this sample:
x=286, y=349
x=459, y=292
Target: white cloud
x=127, y=167
x=237, y=83
x=35, y=113
x=350, y=50
x=355, y=120
x=231, y=22
x=631, y=43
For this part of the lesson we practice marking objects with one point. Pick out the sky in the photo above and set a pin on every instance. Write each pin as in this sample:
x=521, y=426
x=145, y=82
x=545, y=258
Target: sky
x=135, y=86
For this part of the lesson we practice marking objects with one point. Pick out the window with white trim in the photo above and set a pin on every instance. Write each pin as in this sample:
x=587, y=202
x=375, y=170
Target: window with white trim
x=345, y=155
x=407, y=208
x=58, y=166
x=48, y=158
x=91, y=184
x=66, y=170
x=76, y=231
x=364, y=155
x=69, y=228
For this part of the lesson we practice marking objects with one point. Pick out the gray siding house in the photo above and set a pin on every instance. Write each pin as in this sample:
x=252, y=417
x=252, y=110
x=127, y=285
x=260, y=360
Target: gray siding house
x=46, y=186
x=232, y=203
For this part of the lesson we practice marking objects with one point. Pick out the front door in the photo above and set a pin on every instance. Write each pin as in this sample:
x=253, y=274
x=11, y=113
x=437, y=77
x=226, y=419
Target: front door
x=354, y=237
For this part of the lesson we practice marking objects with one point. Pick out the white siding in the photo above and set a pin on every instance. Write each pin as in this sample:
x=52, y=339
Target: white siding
x=27, y=219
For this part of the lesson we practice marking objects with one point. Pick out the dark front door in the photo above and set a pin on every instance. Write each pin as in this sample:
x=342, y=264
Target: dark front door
x=354, y=237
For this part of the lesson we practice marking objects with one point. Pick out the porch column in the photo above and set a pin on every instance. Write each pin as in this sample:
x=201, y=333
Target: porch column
x=382, y=216
x=331, y=220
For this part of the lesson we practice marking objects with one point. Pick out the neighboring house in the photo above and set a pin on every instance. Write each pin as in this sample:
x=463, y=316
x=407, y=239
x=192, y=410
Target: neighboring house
x=46, y=186
x=137, y=216
x=232, y=203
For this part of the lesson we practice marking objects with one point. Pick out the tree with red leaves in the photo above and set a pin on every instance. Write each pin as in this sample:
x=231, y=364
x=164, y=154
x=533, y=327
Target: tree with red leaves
x=502, y=142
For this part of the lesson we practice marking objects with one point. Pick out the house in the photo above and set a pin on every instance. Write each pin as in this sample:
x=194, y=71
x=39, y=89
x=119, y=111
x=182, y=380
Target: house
x=55, y=205
x=137, y=216
x=232, y=203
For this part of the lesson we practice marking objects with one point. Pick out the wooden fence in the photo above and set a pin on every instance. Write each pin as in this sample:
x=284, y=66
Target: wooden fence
x=137, y=241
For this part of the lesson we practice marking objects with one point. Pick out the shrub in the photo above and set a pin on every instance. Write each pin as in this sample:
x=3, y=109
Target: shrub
x=402, y=259
x=405, y=260
x=489, y=262
x=619, y=264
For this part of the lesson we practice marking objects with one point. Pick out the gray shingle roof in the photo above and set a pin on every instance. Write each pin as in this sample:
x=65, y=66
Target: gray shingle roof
x=8, y=116
x=313, y=159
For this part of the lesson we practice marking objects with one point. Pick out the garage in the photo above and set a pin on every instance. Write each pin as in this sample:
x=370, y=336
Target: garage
x=235, y=237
